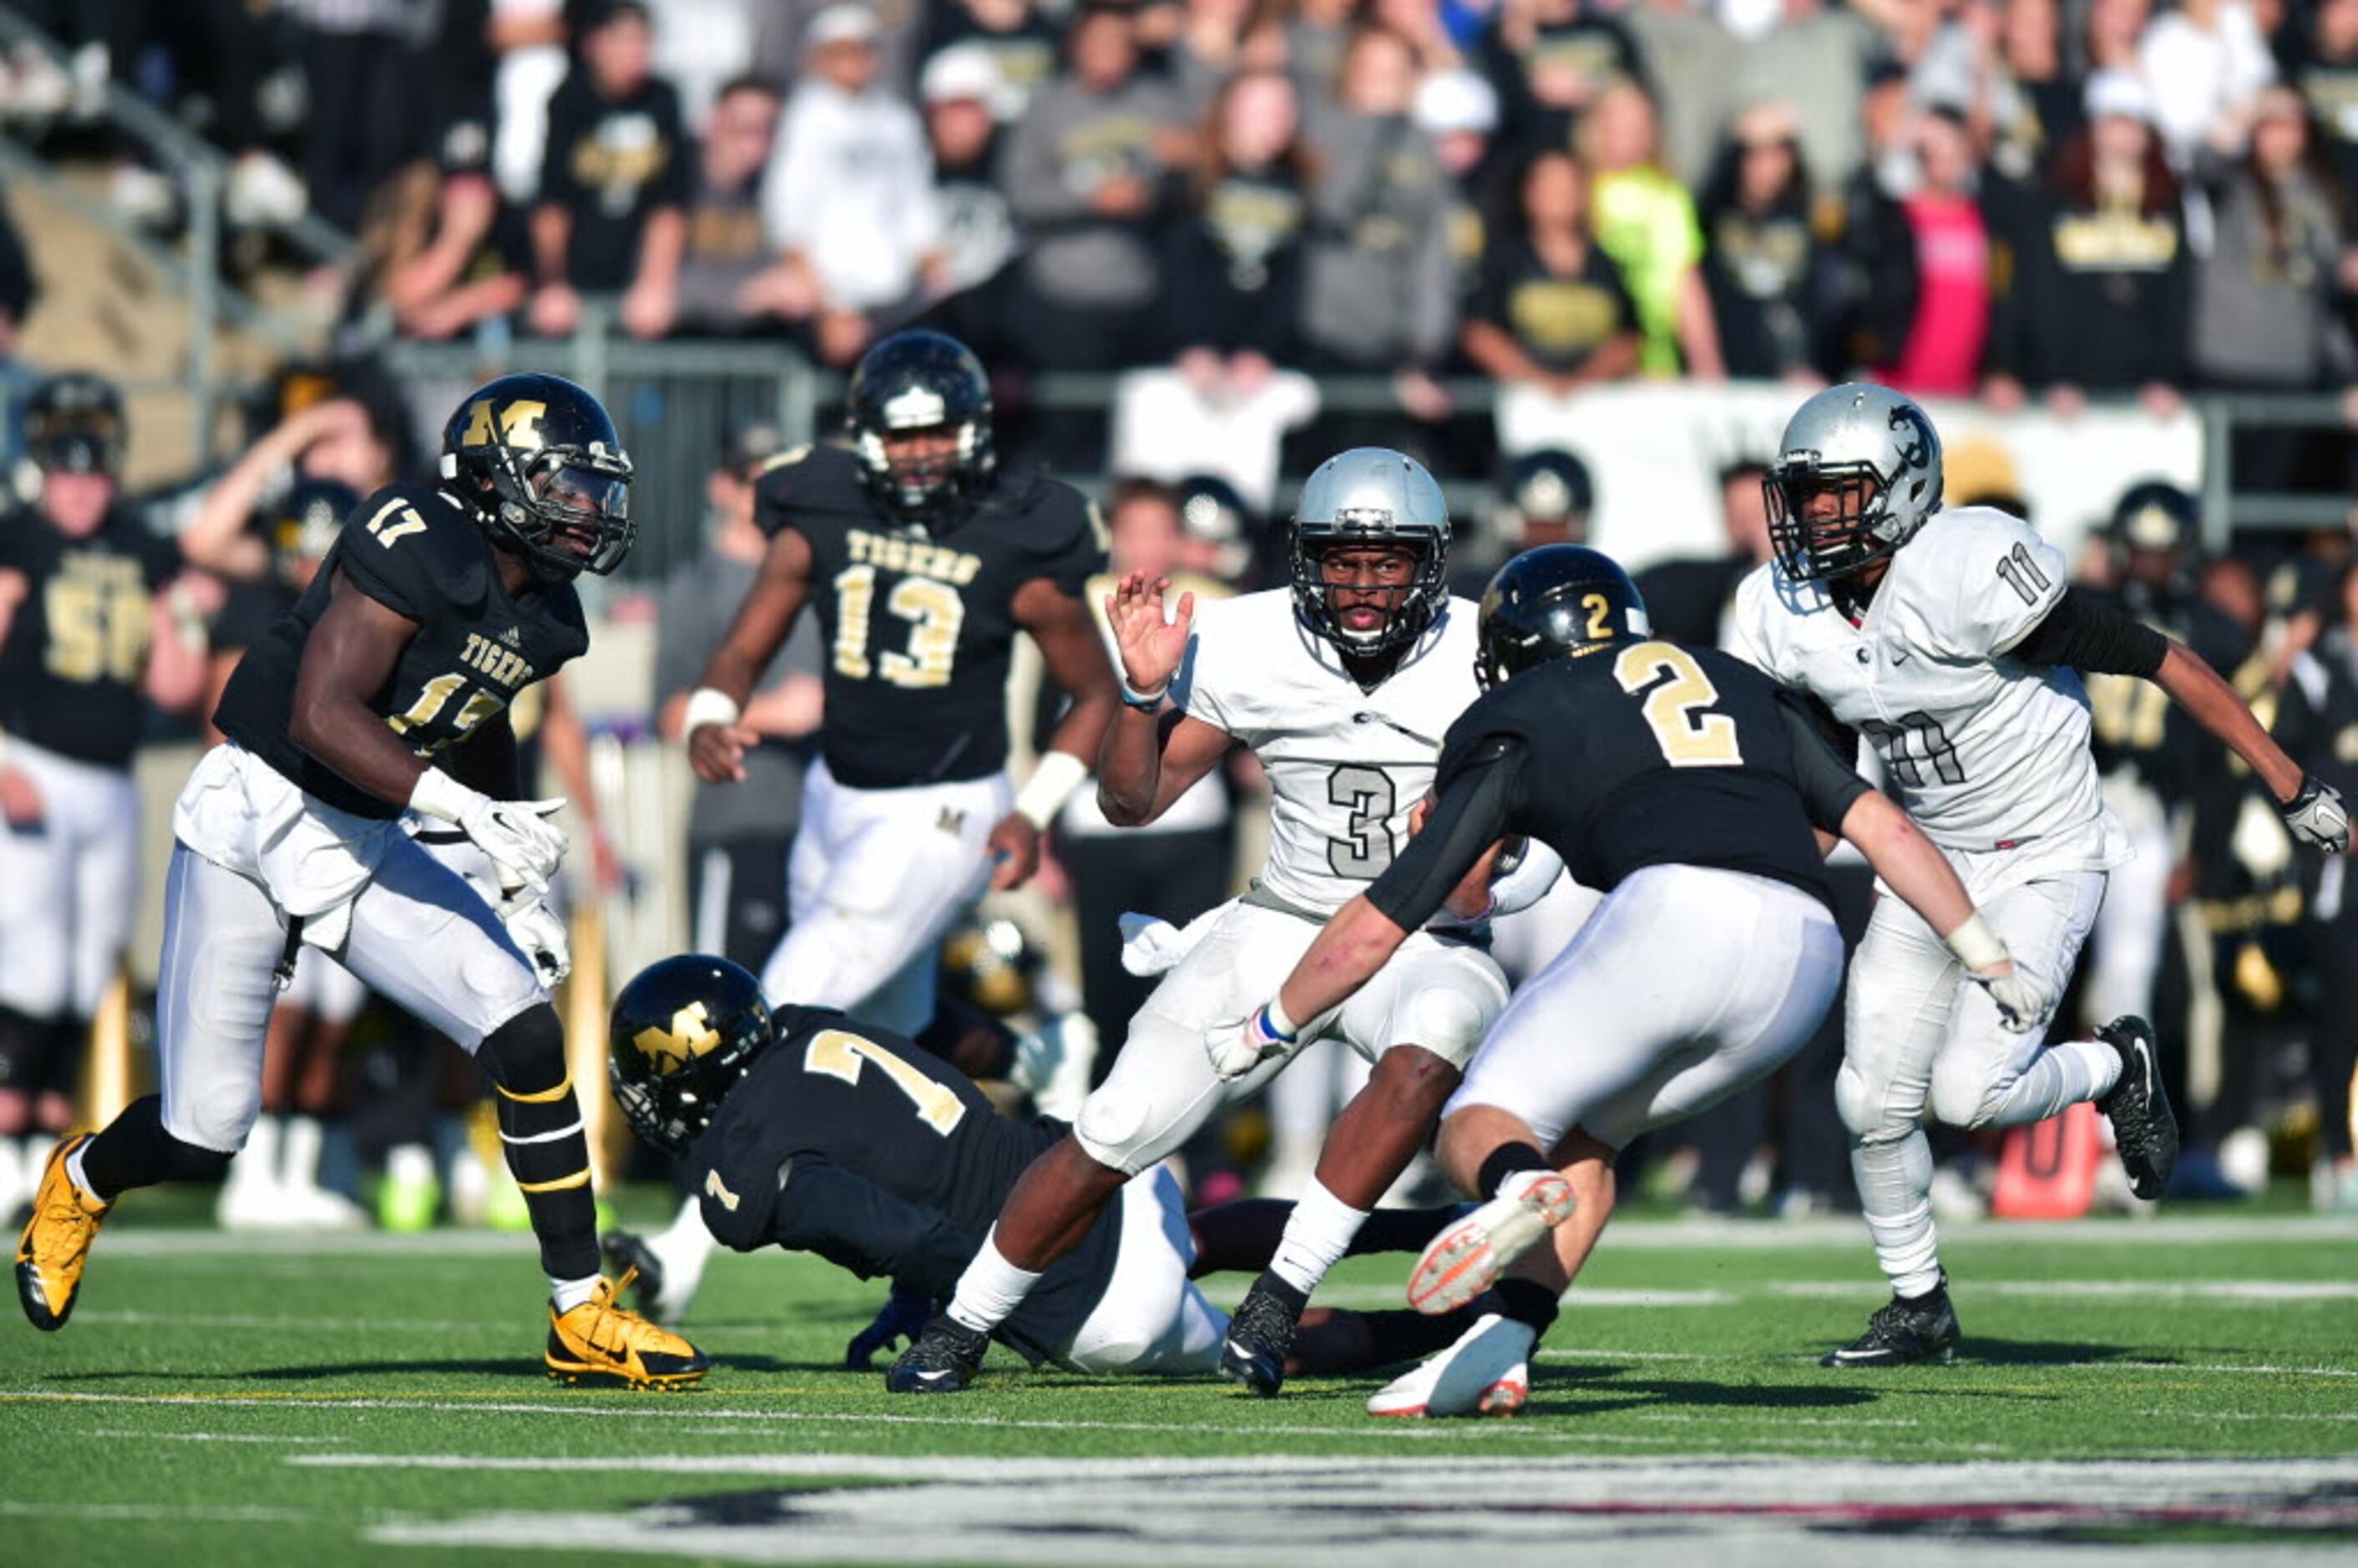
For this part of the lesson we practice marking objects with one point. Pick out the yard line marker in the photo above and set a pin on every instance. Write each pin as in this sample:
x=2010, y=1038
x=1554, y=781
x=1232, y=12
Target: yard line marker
x=2235, y=1292
x=209, y=1436
x=194, y=1513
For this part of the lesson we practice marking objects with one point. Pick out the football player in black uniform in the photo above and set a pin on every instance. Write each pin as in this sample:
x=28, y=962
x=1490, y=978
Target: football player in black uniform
x=436, y=606
x=807, y=1129
x=88, y=635
x=922, y=560
x=1682, y=784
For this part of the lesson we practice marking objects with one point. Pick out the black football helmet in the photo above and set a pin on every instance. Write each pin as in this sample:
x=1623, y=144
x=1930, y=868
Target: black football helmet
x=73, y=424
x=1559, y=601
x=305, y=521
x=540, y=461
x=992, y=965
x=921, y=381
x=681, y=1035
x=2155, y=539
x=1542, y=489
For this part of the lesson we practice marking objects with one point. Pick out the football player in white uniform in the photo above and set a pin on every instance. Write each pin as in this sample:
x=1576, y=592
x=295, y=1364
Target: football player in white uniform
x=1342, y=686
x=1953, y=642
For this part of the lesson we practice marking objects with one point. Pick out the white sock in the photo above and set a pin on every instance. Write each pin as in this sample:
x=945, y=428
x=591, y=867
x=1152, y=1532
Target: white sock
x=990, y=1289
x=256, y=1164
x=1895, y=1188
x=74, y=1171
x=299, y=1159
x=2061, y=1075
x=1316, y=1236
x=567, y=1294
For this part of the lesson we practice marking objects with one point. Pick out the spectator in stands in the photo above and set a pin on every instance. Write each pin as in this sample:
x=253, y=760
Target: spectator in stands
x=441, y=248
x=2317, y=723
x=609, y=217
x=1693, y=60
x=978, y=232
x=366, y=73
x=2327, y=75
x=1963, y=67
x=1220, y=38
x=738, y=838
x=1688, y=599
x=1871, y=259
x=1552, y=311
x=1380, y=291
x=1949, y=334
x=1830, y=48
x=18, y=292
x=1019, y=44
x=1761, y=260
x=2203, y=63
x=1549, y=60
x=1318, y=36
x=1236, y=242
x=528, y=40
x=702, y=47
x=2267, y=297
x=2031, y=38
x=725, y=258
x=1542, y=497
x=332, y=442
x=2098, y=299
x=1086, y=178
x=1646, y=221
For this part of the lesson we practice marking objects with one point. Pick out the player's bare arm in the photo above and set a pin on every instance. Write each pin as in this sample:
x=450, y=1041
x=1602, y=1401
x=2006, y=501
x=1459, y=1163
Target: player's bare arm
x=1059, y=622
x=716, y=745
x=2207, y=698
x=350, y=655
x=1150, y=758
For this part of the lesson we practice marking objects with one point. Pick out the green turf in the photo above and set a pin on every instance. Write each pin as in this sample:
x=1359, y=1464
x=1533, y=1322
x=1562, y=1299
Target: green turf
x=218, y=1404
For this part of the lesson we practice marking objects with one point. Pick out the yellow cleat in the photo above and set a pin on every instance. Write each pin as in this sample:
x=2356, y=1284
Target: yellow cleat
x=598, y=1339
x=55, y=1243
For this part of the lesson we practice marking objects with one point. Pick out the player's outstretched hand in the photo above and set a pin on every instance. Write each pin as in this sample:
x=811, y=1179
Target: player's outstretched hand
x=903, y=1314
x=1014, y=850
x=2318, y=817
x=1152, y=638
x=717, y=752
x=2026, y=999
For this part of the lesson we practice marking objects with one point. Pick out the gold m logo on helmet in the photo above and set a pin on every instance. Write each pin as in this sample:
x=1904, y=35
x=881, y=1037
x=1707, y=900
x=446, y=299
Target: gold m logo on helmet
x=518, y=424
x=690, y=1035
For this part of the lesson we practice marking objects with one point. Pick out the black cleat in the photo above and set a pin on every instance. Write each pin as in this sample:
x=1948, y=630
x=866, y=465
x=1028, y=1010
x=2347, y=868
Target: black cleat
x=1904, y=1334
x=1260, y=1336
x=943, y=1360
x=2145, y=1130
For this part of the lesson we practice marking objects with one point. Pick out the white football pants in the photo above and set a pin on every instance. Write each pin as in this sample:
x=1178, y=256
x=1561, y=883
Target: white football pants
x=68, y=886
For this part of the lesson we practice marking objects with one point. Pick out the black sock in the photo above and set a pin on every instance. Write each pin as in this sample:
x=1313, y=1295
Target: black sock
x=1508, y=1160
x=135, y=1152
x=1403, y=1335
x=540, y=1129
x=1939, y=1289
x=1403, y=1230
x=1526, y=1302
x=1286, y=1295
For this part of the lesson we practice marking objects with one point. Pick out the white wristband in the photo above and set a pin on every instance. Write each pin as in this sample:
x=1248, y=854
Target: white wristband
x=707, y=705
x=1975, y=945
x=1051, y=785
x=438, y=795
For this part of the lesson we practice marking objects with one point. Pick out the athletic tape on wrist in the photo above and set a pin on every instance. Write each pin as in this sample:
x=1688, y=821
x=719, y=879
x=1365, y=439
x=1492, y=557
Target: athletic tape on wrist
x=440, y=795
x=1051, y=785
x=1975, y=945
x=709, y=705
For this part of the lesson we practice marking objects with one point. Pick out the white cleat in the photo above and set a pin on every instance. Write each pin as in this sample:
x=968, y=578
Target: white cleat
x=1466, y=1260
x=1486, y=1372
x=1053, y=1064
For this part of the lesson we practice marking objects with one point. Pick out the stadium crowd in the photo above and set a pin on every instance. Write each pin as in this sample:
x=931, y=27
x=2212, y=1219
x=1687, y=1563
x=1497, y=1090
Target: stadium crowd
x=2033, y=200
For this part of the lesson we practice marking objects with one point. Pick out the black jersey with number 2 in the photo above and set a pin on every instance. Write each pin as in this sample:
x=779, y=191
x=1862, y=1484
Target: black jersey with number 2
x=862, y=1147
x=919, y=626
x=75, y=660
x=1637, y=755
x=421, y=554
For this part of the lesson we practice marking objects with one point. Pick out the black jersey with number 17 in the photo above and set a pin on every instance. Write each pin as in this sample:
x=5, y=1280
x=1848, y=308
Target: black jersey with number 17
x=419, y=552
x=919, y=626
x=862, y=1147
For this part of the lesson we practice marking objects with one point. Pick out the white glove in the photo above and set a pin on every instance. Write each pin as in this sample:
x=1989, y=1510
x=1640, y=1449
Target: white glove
x=1238, y=1048
x=523, y=846
x=2025, y=999
x=540, y=932
x=2318, y=817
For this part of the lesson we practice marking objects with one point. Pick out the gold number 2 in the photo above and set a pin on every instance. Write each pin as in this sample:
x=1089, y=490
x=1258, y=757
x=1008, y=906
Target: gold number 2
x=1689, y=738
x=1600, y=615
x=839, y=1055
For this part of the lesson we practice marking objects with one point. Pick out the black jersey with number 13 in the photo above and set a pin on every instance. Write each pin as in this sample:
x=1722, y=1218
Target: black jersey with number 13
x=416, y=551
x=919, y=626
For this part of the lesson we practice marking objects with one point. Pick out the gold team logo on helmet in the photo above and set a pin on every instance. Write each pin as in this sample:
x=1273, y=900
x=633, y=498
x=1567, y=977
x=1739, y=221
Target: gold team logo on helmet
x=690, y=1035
x=518, y=424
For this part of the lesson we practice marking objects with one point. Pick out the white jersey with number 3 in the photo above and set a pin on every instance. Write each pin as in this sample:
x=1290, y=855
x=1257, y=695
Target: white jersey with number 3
x=1988, y=752
x=1346, y=767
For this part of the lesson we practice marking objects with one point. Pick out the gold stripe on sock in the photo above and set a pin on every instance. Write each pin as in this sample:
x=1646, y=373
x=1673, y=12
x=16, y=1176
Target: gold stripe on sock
x=545, y=1096
x=580, y=1178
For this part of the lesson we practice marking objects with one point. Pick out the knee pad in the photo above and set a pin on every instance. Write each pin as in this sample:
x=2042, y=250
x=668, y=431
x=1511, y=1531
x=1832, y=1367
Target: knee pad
x=1445, y=1021
x=1960, y=1098
x=526, y=1054
x=1111, y=1120
x=1851, y=1101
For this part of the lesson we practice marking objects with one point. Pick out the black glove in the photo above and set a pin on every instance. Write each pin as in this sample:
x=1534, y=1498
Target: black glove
x=903, y=1314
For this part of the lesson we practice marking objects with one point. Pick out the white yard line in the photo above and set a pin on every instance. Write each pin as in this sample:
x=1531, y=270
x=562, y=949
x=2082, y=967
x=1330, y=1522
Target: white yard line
x=188, y=1513
x=209, y=1437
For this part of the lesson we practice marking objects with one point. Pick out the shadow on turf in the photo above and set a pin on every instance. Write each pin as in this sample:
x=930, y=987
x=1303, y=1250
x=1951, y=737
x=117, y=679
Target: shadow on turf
x=518, y=1367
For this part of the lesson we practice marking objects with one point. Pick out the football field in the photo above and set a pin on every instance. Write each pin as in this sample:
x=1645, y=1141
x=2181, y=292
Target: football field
x=2174, y=1390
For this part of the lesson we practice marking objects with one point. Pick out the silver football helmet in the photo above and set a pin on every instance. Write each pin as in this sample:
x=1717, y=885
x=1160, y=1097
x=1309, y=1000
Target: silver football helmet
x=1859, y=472
x=1369, y=495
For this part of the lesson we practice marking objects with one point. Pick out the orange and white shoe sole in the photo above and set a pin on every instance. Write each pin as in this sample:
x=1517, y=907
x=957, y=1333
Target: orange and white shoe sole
x=1466, y=1260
